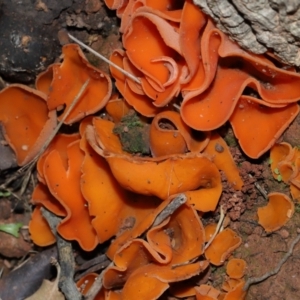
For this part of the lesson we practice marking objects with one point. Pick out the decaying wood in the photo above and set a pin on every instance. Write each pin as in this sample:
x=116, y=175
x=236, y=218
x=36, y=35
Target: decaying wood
x=259, y=26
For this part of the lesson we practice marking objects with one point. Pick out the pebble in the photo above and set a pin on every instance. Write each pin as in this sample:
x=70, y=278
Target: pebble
x=284, y=233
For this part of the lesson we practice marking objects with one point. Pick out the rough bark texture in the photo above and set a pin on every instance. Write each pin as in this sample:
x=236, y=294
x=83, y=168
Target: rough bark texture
x=259, y=25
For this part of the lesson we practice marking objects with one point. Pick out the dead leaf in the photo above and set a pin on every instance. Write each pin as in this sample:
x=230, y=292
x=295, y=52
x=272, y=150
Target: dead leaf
x=49, y=289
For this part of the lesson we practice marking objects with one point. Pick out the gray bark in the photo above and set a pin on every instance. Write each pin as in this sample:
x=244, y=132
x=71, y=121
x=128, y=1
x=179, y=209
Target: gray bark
x=259, y=25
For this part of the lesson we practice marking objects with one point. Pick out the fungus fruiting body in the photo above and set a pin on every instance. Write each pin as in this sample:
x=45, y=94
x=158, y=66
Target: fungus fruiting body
x=236, y=268
x=68, y=78
x=211, y=72
x=27, y=122
x=191, y=79
x=222, y=246
x=277, y=212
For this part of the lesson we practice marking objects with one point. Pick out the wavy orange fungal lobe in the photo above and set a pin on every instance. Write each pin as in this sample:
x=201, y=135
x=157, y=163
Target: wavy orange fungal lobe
x=27, y=123
x=252, y=116
x=170, y=135
x=64, y=184
x=237, y=292
x=206, y=292
x=166, y=136
x=156, y=280
x=205, y=109
x=276, y=213
x=192, y=22
x=60, y=143
x=43, y=80
x=282, y=152
x=39, y=229
x=236, y=268
x=221, y=156
x=117, y=108
x=162, y=176
x=68, y=79
x=139, y=101
x=185, y=234
x=222, y=246
x=126, y=236
x=148, y=38
x=42, y=196
x=108, y=200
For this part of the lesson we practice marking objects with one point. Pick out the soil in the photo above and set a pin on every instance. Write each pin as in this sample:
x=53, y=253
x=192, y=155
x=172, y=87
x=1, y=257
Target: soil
x=94, y=25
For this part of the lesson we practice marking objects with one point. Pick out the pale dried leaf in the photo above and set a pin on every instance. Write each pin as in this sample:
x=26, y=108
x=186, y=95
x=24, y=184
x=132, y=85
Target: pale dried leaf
x=49, y=289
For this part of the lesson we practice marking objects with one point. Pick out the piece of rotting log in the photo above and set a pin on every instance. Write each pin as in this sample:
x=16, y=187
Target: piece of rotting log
x=259, y=26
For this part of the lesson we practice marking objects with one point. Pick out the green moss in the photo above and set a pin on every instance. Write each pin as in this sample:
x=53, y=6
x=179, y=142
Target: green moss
x=133, y=134
x=230, y=140
x=297, y=207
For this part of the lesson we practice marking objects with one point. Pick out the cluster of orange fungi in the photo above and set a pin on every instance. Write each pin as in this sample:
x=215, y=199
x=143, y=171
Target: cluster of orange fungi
x=103, y=193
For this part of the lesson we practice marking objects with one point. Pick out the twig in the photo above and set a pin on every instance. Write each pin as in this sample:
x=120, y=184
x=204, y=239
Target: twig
x=25, y=181
x=222, y=216
x=66, y=259
x=177, y=106
x=185, y=263
x=104, y=59
x=93, y=269
x=97, y=285
x=92, y=262
x=260, y=188
x=93, y=265
x=169, y=209
x=254, y=280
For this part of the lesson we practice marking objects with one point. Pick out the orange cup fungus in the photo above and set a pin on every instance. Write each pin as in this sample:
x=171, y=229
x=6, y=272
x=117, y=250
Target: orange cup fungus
x=39, y=229
x=167, y=128
x=285, y=163
x=69, y=77
x=278, y=211
x=159, y=176
x=102, y=191
x=235, y=290
x=206, y=292
x=218, y=150
x=127, y=209
x=222, y=246
x=26, y=120
x=60, y=181
x=170, y=57
x=236, y=268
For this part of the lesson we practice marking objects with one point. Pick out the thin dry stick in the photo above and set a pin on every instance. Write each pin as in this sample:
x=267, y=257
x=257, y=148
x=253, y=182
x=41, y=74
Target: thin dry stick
x=163, y=215
x=185, y=263
x=177, y=106
x=97, y=285
x=221, y=220
x=66, y=259
x=254, y=280
x=169, y=209
x=260, y=188
x=104, y=58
